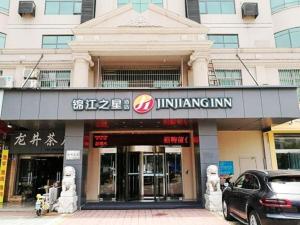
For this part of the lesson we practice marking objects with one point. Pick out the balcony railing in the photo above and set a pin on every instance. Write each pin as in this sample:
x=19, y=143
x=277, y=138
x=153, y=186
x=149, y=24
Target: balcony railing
x=148, y=78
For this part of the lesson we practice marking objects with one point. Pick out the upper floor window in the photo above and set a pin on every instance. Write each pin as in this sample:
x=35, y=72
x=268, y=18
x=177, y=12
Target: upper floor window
x=224, y=40
x=56, y=41
x=217, y=6
x=229, y=77
x=288, y=38
x=2, y=40
x=290, y=78
x=54, y=78
x=4, y=6
x=62, y=7
x=278, y=5
x=140, y=5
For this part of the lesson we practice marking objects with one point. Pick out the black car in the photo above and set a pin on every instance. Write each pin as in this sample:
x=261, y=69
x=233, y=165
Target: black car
x=264, y=198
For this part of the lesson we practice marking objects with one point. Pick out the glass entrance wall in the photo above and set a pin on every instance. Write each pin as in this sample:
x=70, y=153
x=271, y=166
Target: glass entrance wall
x=140, y=173
x=35, y=172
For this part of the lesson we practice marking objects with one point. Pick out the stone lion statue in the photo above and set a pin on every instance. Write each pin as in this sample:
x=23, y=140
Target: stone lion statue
x=213, y=180
x=68, y=182
x=67, y=203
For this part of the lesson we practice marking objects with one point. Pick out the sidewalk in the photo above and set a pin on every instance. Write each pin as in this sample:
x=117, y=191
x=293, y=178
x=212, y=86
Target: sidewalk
x=117, y=217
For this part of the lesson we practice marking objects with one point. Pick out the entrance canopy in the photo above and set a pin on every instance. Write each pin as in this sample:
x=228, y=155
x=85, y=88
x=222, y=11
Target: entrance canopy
x=232, y=107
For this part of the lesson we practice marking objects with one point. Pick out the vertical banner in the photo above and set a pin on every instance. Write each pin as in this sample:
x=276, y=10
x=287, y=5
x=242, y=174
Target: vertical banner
x=3, y=169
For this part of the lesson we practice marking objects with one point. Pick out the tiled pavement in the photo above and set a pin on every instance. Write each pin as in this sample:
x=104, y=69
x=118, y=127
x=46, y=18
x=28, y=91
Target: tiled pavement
x=117, y=217
x=28, y=218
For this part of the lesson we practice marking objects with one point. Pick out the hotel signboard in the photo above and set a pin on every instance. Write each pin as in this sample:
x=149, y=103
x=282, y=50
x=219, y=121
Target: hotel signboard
x=181, y=103
x=145, y=103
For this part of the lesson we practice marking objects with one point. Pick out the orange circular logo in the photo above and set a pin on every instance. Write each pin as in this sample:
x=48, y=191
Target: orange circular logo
x=143, y=103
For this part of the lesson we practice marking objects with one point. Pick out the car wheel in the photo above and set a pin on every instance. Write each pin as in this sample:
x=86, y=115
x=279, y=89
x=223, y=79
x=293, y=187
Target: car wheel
x=226, y=214
x=253, y=218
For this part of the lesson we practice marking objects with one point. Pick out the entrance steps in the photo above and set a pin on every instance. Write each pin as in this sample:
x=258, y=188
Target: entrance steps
x=141, y=205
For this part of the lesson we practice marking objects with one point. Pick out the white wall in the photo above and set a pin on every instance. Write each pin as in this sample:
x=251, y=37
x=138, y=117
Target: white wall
x=252, y=32
x=3, y=22
x=26, y=32
x=267, y=75
x=105, y=6
x=176, y=6
x=244, y=148
x=287, y=18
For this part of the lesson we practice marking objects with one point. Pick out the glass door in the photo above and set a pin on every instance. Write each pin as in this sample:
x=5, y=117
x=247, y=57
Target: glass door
x=25, y=178
x=154, y=176
x=131, y=173
x=148, y=176
x=108, y=172
x=174, y=174
x=133, y=176
x=160, y=176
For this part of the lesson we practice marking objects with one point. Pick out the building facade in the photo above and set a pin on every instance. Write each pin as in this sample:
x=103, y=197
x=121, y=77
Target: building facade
x=141, y=96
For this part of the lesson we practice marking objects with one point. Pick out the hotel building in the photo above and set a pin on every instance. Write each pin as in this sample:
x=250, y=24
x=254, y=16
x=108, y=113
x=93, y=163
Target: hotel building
x=140, y=96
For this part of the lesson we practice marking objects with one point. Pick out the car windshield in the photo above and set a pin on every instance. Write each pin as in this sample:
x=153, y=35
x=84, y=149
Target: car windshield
x=285, y=184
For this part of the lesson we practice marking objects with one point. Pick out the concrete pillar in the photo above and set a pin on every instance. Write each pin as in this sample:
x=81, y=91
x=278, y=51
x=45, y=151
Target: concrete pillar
x=74, y=133
x=207, y=153
x=80, y=75
x=19, y=76
x=199, y=63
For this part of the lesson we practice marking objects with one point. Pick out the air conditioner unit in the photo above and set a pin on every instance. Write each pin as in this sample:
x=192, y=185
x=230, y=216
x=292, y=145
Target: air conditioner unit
x=34, y=74
x=26, y=8
x=6, y=81
x=31, y=84
x=249, y=9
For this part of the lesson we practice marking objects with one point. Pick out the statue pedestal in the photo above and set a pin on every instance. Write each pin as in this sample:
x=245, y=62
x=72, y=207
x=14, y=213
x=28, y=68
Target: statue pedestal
x=213, y=201
x=67, y=203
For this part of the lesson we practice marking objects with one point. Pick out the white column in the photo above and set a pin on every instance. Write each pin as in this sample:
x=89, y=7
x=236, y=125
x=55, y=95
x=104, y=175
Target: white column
x=80, y=75
x=199, y=63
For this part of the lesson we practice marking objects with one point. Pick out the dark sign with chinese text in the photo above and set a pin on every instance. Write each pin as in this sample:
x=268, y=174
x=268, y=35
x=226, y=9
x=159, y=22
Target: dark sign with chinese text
x=111, y=140
x=38, y=141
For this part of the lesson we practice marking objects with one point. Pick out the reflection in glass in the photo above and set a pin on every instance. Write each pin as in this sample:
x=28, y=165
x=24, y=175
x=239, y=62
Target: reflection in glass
x=148, y=175
x=174, y=176
x=108, y=176
x=133, y=176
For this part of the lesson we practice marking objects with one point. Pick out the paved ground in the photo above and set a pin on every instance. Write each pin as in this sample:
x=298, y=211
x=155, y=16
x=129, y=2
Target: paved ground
x=117, y=217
